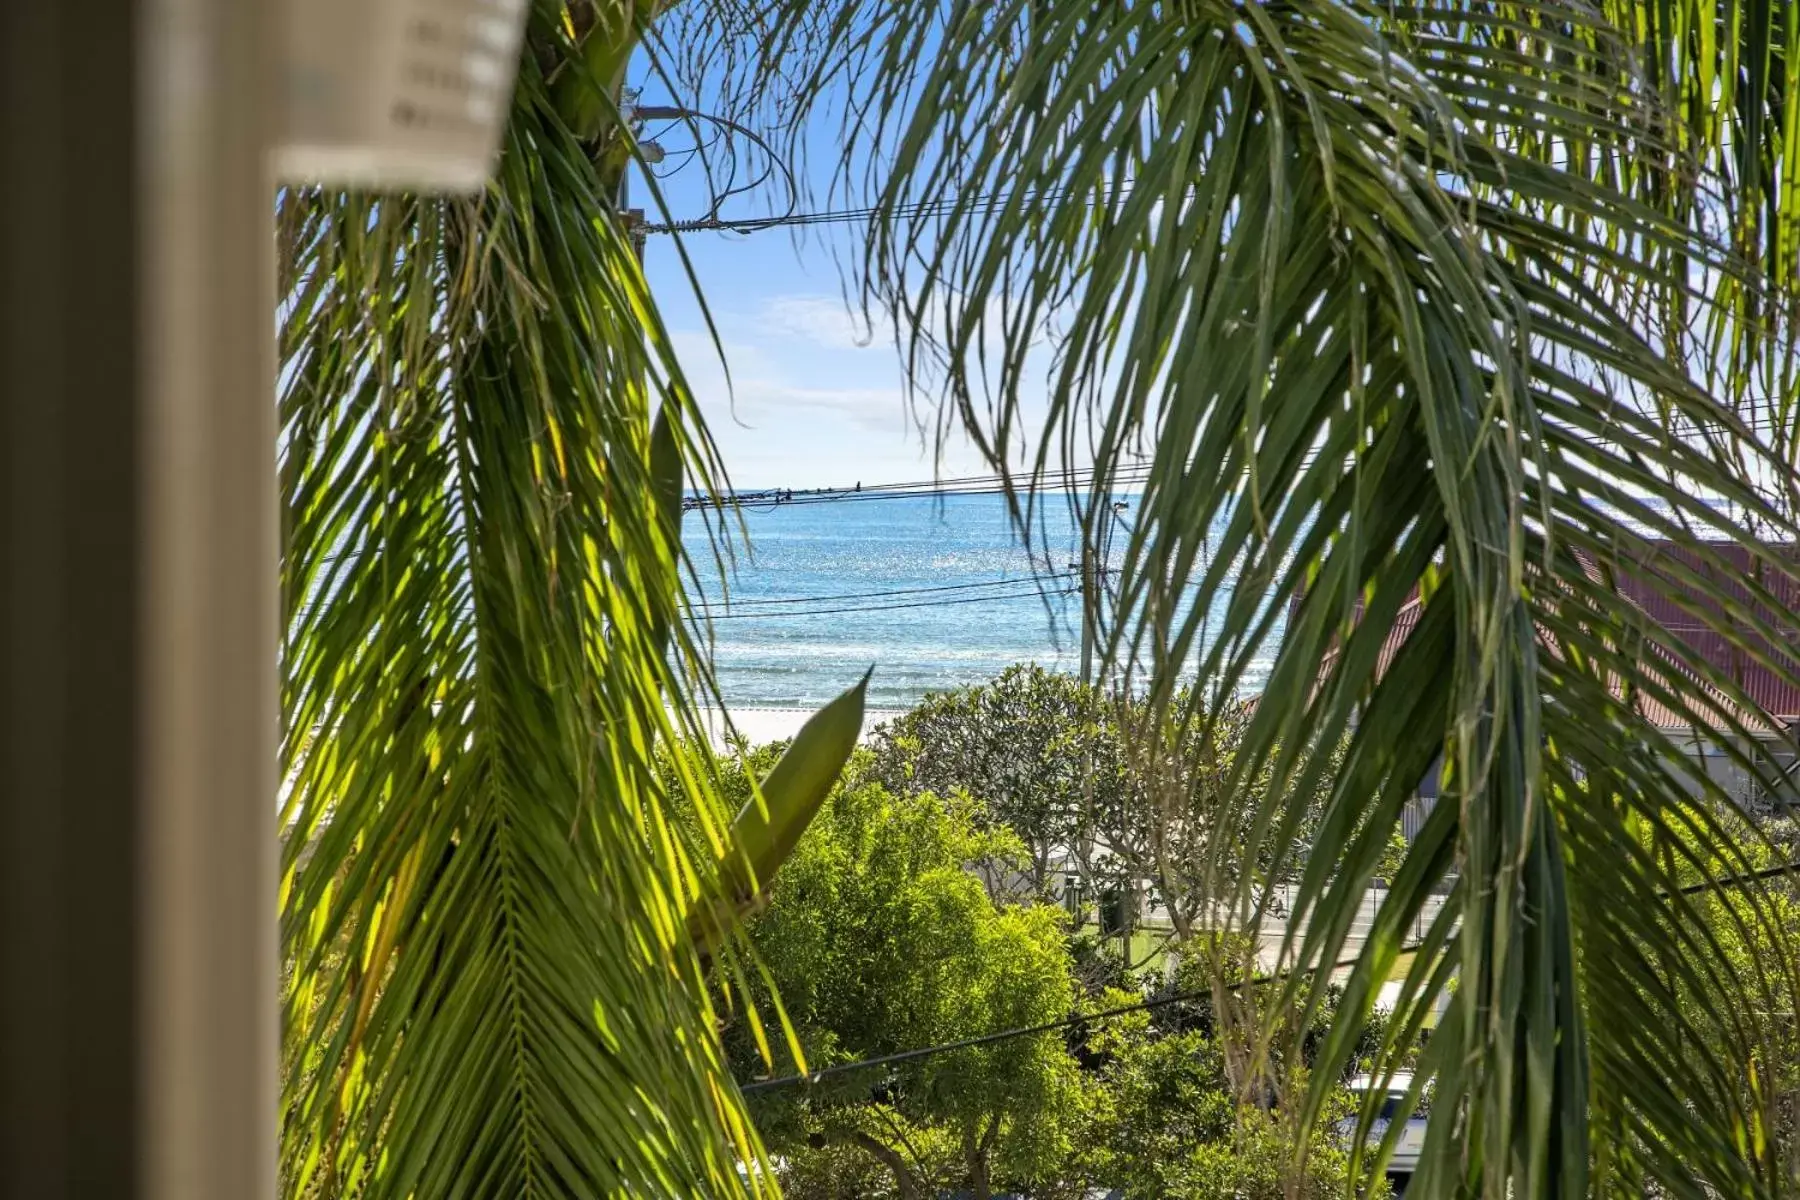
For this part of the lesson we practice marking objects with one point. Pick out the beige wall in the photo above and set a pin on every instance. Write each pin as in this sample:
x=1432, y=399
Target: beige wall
x=137, y=553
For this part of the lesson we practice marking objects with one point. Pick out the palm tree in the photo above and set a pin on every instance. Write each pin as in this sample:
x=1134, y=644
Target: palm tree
x=1430, y=318
x=495, y=914
x=1427, y=316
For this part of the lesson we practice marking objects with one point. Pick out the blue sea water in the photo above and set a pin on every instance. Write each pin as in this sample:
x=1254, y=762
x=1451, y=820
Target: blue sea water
x=933, y=591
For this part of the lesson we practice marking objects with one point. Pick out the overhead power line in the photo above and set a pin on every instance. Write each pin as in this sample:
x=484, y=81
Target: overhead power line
x=970, y=485
x=1038, y=594
x=1717, y=883
x=988, y=202
x=1034, y=581
x=774, y=162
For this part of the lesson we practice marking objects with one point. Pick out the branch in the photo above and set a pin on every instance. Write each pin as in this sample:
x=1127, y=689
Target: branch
x=892, y=1160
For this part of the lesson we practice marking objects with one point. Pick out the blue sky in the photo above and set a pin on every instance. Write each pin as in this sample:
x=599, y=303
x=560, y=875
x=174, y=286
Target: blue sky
x=815, y=398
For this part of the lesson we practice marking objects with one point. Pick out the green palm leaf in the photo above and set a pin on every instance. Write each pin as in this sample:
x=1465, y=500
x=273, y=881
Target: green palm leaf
x=1380, y=297
x=491, y=987
x=1722, y=71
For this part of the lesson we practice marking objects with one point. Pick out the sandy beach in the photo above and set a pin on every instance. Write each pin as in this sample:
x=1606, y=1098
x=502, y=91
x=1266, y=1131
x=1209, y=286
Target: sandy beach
x=774, y=724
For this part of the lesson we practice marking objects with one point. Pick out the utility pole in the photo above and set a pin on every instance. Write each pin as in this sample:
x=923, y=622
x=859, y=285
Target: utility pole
x=1088, y=605
x=630, y=219
x=1093, y=582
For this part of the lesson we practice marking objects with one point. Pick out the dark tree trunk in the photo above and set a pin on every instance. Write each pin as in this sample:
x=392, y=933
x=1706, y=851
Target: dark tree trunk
x=976, y=1152
x=893, y=1160
x=981, y=1187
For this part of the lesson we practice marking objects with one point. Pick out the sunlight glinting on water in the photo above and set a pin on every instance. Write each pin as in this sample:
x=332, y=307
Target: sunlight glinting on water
x=934, y=592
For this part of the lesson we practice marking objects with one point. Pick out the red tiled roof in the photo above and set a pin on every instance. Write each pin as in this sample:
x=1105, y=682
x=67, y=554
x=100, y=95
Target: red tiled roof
x=1659, y=591
x=1667, y=602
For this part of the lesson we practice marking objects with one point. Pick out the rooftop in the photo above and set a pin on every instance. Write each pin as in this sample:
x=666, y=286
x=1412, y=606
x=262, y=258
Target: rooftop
x=1665, y=584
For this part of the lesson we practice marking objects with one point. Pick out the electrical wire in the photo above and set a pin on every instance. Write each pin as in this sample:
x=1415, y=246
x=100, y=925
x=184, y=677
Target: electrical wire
x=956, y=481
x=874, y=608
x=661, y=112
x=848, y=496
x=712, y=222
x=769, y=499
x=1717, y=883
x=1034, y=581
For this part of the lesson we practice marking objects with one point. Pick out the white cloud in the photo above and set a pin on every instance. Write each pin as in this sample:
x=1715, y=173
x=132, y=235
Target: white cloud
x=827, y=321
x=833, y=323
x=813, y=395
x=763, y=388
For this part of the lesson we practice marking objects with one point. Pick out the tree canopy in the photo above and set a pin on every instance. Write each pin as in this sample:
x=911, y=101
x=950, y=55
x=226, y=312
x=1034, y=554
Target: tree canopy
x=880, y=938
x=1108, y=792
x=1421, y=325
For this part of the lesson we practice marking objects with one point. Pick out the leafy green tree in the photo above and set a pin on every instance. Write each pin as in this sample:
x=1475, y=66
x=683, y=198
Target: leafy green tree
x=1035, y=747
x=1415, y=324
x=1169, y=1122
x=1423, y=314
x=879, y=939
x=1106, y=791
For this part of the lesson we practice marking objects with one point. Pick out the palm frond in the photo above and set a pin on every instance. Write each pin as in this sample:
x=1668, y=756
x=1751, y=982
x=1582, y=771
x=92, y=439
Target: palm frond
x=1374, y=292
x=1722, y=71
x=491, y=987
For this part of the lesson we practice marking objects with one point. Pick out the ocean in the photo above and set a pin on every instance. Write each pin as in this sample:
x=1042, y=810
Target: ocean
x=934, y=592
